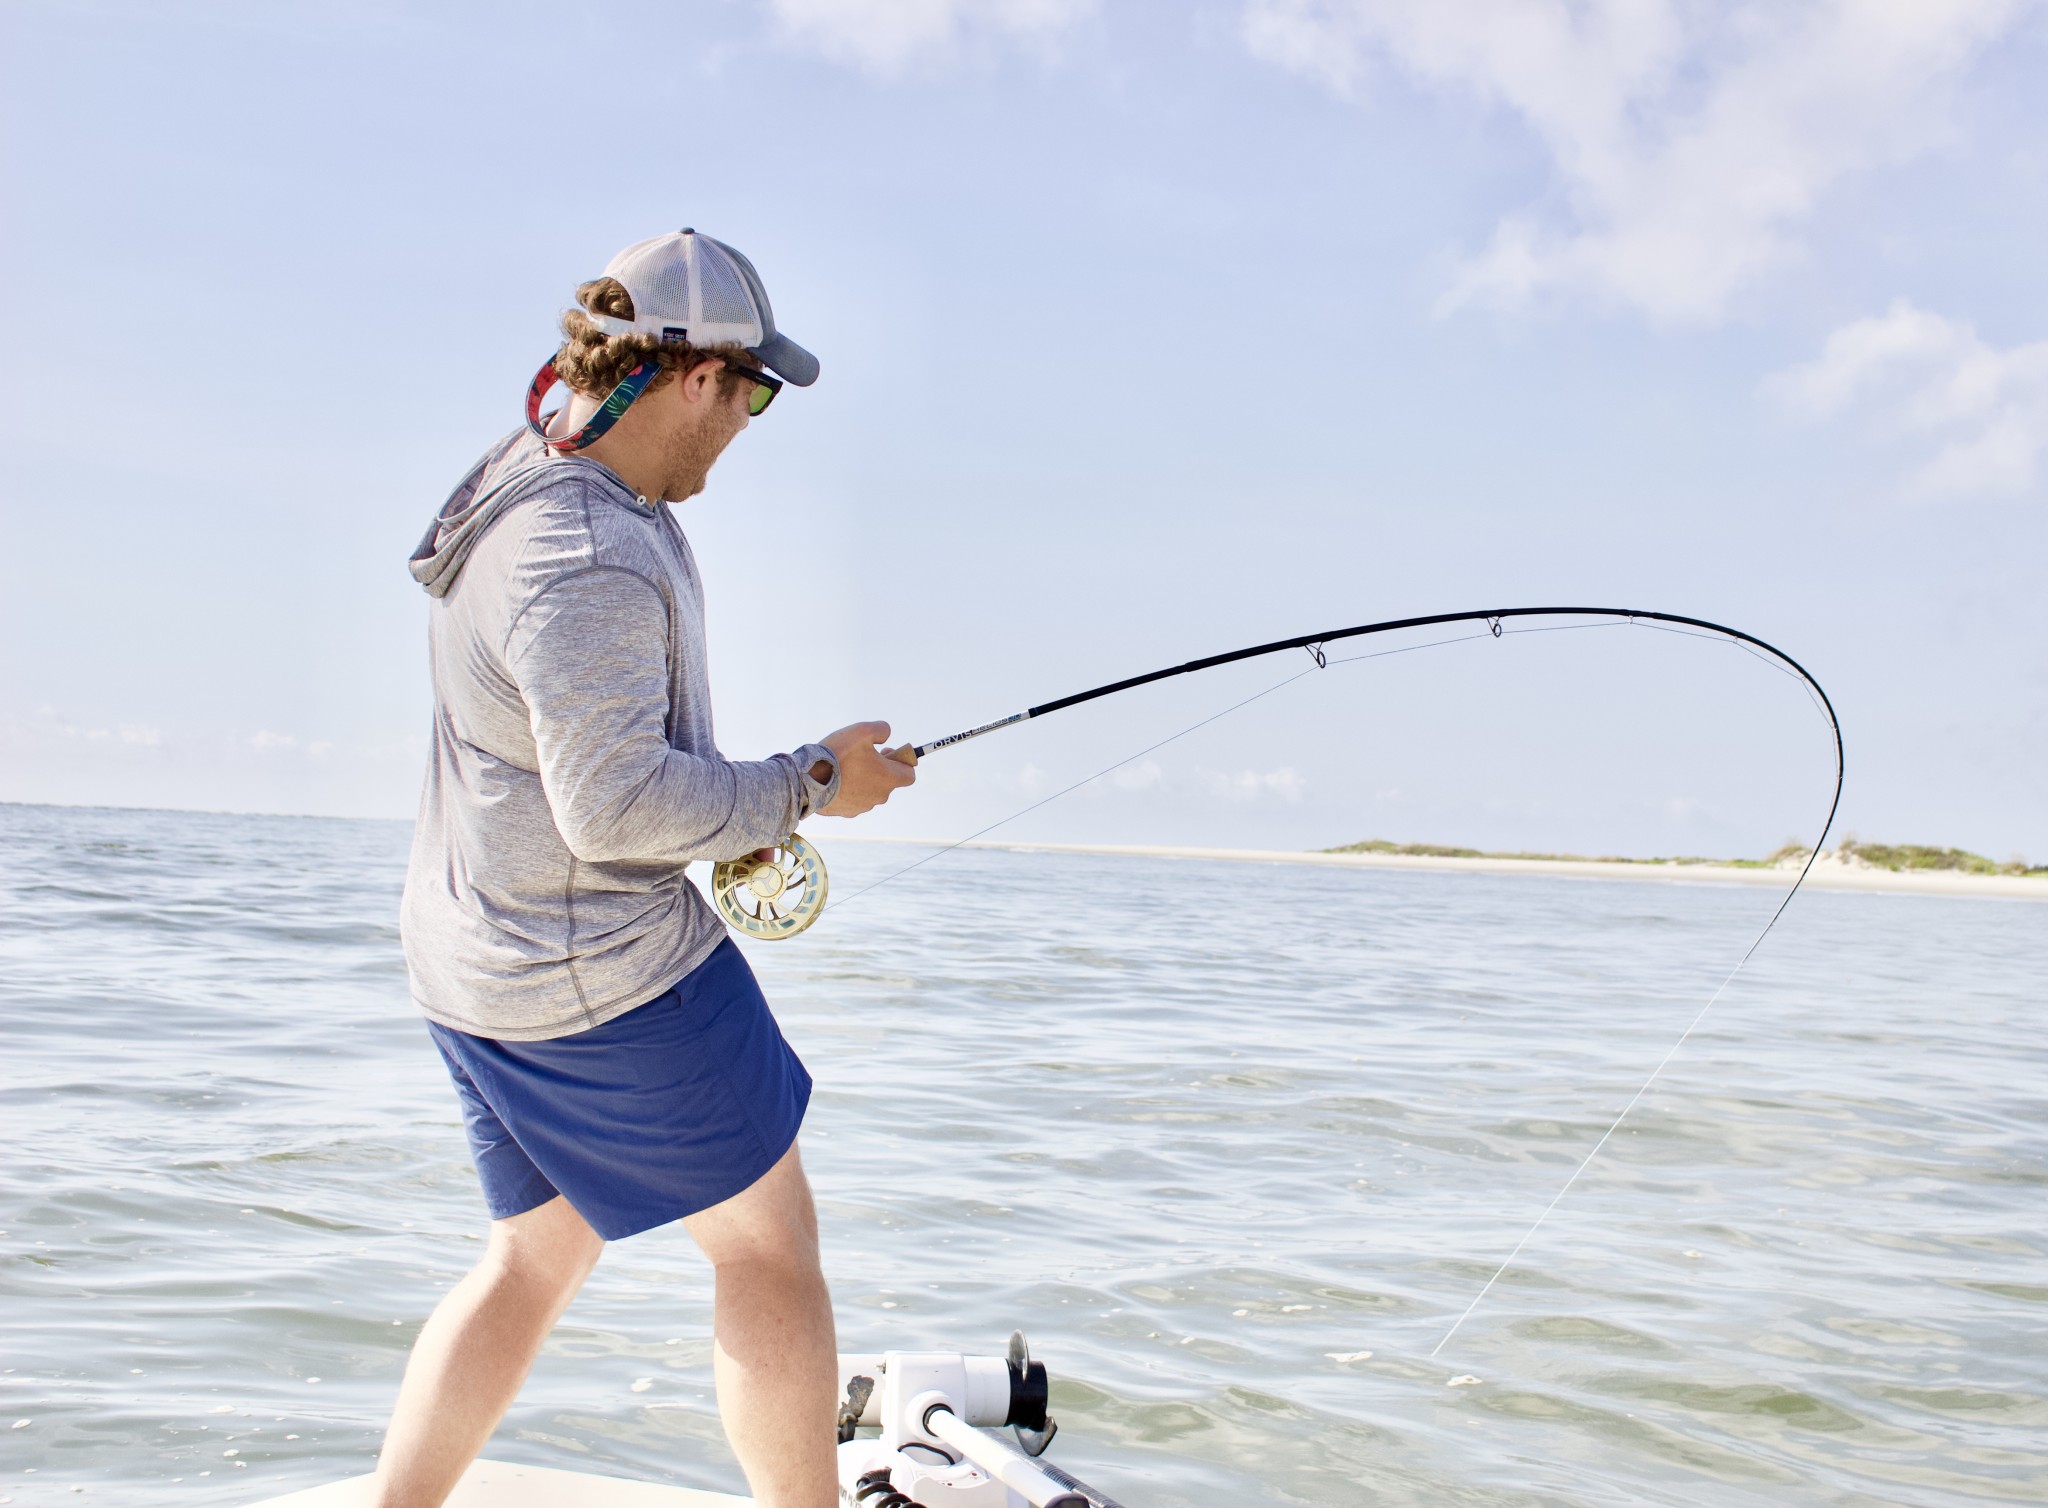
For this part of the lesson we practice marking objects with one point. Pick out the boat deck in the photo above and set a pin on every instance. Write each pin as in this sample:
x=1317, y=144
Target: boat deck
x=500, y=1484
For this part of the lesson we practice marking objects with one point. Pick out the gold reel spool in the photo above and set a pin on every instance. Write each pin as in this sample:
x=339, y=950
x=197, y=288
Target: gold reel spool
x=773, y=897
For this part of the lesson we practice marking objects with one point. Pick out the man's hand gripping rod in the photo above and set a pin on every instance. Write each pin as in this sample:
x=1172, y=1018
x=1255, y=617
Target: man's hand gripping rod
x=777, y=892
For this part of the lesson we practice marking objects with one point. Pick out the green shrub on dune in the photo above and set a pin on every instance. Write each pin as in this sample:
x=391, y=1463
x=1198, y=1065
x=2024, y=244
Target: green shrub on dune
x=1902, y=856
x=1896, y=857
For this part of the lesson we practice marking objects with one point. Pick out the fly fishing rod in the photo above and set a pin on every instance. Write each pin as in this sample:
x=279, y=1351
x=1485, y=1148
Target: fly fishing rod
x=780, y=894
x=766, y=880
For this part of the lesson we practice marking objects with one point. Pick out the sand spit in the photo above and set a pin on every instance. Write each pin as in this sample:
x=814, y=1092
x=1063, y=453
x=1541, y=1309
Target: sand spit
x=1830, y=873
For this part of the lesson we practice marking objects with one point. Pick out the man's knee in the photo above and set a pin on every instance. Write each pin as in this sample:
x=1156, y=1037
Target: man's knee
x=785, y=1259
x=550, y=1249
x=771, y=1224
x=781, y=1240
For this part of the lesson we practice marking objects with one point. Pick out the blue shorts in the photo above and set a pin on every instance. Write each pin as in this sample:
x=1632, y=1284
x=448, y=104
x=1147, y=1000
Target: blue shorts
x=675, y=1106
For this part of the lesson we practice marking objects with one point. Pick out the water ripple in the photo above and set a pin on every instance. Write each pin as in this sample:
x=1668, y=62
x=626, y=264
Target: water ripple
x=1233, y=1143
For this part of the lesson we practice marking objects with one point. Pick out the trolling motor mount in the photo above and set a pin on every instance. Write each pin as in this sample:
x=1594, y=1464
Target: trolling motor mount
x=936, y=1412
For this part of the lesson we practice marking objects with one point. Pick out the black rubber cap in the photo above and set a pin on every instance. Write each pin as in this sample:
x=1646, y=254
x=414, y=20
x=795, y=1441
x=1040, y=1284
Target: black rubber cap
x=1030, y=1393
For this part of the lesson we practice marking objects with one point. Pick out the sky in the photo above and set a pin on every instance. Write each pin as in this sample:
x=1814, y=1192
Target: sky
x=1148, y=330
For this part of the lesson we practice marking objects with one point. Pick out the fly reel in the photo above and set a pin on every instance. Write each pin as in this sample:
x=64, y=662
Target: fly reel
x=774, y=897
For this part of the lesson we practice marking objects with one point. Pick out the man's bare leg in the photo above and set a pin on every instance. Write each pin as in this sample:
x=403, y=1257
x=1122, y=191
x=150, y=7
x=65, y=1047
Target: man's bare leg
x=776, y=1355
x=476, y=1349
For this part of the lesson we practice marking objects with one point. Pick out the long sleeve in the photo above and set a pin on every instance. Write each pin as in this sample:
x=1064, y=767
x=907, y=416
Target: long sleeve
x=590, y=655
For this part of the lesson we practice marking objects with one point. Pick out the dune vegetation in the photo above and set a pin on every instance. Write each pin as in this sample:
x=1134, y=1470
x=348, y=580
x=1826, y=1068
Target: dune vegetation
x=1903, y=856
x=1897, y=857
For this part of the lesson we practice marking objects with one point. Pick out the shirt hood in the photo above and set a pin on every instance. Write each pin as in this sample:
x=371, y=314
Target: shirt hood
x=505, y=476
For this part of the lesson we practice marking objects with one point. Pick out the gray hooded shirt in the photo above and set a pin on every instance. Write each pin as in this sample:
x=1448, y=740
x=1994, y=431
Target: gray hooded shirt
x=573, y=773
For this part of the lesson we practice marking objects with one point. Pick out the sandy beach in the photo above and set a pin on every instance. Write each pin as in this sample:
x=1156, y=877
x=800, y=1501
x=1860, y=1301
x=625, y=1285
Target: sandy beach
x=1830, y=873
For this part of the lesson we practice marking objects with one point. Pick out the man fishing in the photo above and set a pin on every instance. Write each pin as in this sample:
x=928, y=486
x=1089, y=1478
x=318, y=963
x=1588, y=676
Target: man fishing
x=617, y=1065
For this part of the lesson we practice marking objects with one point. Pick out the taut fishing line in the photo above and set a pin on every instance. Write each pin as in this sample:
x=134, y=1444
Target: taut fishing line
x=751, y=893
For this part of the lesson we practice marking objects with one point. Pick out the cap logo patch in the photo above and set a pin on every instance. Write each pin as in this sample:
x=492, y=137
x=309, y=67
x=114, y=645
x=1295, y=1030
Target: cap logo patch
x=675, y=332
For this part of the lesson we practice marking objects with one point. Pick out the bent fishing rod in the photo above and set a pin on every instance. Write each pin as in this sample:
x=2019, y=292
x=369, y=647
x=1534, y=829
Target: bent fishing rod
x=795, y=875
x=781, y=894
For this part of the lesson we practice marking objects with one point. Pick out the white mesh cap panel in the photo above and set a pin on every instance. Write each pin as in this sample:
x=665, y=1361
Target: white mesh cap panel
x=725, y=296
x=753, y=281
x=658, y=279
x=661, y=290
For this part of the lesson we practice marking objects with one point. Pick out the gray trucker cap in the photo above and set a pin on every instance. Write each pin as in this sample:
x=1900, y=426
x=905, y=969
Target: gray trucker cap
x=687, y=286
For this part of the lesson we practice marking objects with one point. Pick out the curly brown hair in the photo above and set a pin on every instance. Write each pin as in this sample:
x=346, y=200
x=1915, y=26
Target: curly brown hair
x=593, y=362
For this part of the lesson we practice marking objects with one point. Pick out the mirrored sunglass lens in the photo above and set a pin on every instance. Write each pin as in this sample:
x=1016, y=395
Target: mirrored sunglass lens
x=760, y=398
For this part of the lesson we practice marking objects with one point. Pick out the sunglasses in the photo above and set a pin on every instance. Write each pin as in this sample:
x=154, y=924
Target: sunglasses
x=764, y=390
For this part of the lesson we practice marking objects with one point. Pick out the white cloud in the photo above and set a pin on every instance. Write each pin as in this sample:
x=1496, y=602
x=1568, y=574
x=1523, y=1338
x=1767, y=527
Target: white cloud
x=49, y=728
x=1690, y=139
x=1284, y=784
x=890, y=36
x=1129, y=778
x=1920, y=374
x=1236, y=787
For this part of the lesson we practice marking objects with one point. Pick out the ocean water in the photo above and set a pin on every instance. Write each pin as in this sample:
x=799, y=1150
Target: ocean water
x=1234, y=1145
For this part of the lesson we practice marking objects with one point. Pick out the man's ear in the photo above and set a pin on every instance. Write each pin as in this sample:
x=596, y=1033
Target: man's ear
x=700, y=381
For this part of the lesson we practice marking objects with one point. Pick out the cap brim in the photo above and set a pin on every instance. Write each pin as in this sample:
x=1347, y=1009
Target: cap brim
x=787, y=360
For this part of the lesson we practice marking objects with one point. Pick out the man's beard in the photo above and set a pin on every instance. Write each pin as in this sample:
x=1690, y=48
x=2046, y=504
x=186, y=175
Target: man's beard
x=691, y=455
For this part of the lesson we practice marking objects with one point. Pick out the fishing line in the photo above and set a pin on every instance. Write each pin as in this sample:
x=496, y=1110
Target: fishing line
x=1380, y=654
x=770, y=879
x=1068, y=790
x=1693, y=1025
x=1171, y=738
x=1556, y=1199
